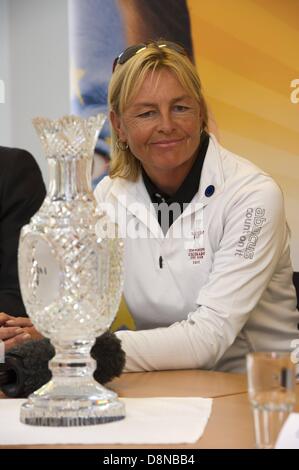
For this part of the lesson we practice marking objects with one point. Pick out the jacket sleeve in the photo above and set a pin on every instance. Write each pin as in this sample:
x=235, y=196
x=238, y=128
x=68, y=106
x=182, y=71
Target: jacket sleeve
x=22, y=191
x=241, y=270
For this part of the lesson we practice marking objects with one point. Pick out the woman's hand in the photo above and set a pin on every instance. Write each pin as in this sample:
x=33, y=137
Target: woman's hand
x=16, y=330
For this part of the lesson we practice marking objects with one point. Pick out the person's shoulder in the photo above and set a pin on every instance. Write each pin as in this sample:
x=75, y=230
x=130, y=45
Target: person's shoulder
x=236, y=162
x=104, y=187
x=14, y=153
x=19, y=170
x=243, y=174
x=237, y=166
x=16, y=158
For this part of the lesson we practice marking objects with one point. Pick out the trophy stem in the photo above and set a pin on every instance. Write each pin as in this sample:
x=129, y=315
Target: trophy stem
x=72, y=359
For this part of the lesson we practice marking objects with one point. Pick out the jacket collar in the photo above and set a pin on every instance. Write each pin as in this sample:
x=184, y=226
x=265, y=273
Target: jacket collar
x=135, y=198
x=212, y=176
x=212, y=172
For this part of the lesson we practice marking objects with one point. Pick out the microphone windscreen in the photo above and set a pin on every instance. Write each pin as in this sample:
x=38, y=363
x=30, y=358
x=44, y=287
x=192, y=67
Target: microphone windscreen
x=110, y=357
x=29, y=364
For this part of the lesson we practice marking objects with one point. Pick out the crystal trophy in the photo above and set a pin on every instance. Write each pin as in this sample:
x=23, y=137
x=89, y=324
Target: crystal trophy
x=71, y=277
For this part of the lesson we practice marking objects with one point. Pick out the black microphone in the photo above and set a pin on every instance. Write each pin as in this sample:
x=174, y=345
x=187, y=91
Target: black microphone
x=26, y=366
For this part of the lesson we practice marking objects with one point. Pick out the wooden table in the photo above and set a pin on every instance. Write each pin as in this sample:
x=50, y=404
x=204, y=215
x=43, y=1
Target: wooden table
x=230, y=424
x=179, y=383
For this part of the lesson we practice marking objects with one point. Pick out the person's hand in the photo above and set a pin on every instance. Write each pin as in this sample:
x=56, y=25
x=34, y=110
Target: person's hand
x=9, y=321
x=25, y=324
x=14, y=331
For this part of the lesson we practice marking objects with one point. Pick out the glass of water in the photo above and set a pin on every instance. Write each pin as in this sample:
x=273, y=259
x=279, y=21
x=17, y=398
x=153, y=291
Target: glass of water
x=271, y=389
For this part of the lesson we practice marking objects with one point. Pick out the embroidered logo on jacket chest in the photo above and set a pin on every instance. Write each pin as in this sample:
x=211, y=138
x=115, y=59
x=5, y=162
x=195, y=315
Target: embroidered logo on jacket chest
x=195, y=248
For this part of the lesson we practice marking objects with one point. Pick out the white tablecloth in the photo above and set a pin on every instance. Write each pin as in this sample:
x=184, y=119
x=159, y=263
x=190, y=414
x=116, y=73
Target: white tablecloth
x=148, y=421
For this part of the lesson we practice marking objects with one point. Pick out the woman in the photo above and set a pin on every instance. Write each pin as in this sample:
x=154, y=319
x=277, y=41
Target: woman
x=213, y=280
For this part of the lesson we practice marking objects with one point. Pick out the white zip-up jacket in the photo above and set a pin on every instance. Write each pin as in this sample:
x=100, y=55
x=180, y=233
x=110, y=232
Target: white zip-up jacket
x=218, y=284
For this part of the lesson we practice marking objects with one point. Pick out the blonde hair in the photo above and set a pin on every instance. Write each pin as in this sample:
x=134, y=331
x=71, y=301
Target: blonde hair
x=125, y=84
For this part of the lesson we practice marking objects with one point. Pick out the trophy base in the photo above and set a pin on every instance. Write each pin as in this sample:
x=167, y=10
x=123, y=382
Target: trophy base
x=55, y=405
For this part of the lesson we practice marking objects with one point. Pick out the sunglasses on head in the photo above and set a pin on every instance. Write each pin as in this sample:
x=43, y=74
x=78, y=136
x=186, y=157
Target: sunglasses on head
x=128, y=53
